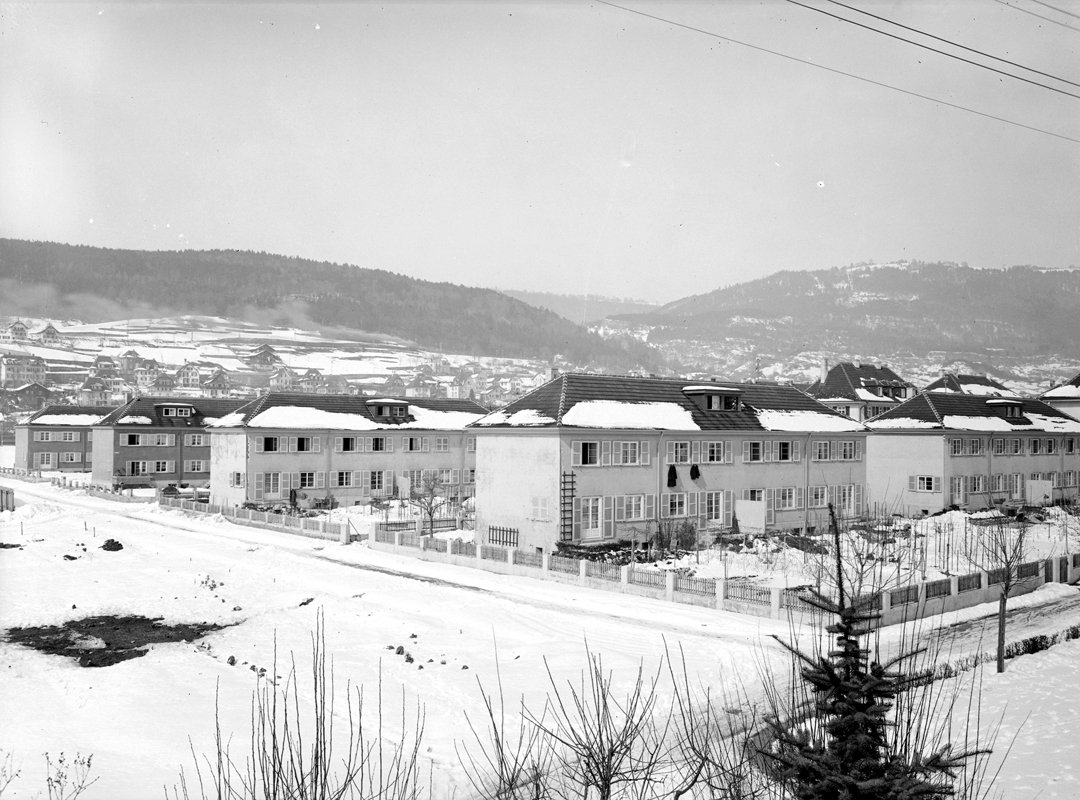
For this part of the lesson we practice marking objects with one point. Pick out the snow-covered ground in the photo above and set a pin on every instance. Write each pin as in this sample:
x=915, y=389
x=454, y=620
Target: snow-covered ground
x=136, y=716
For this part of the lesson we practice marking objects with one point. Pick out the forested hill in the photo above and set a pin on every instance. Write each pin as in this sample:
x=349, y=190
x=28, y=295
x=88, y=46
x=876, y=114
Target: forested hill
x=94, y=284
x=581, y=308
x=879, y=309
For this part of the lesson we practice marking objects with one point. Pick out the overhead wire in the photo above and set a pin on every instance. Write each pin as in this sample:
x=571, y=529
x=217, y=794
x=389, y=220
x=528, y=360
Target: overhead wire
x=1055, y=8
x=836, y=71
x=954, y=44
x=932, y=49
x=1040, y=16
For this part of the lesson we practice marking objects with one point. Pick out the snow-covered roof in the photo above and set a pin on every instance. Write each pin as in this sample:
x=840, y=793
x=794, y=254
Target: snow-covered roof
x=616, y=414
x=806, y=421
x=134, y=419
x=519, y=419
x=69, y=419
x=967, y=412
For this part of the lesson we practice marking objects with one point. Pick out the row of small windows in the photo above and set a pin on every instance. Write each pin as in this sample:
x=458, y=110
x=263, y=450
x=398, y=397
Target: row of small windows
x=49, y=459
x=1012, y=446
x=163, y=440
x=623, y=453
x=373, y=482
x=135, y=468
x=357, y=444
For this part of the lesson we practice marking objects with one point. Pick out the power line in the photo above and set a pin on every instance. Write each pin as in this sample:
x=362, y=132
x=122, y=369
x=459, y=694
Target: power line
x=838, y=71
x=954, y=44
x=932, y=49
x=1040, y=16
x=1055, y=8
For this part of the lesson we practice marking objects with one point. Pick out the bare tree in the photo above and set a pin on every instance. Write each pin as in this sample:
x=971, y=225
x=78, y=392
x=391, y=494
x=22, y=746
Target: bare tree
x=429, y=498
x=999, y=551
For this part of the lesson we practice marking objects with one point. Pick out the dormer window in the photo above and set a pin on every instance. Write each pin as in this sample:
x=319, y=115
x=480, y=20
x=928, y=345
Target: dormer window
x=388, y=409
x=721, y=402
x=1010, y=408
x=176, y=411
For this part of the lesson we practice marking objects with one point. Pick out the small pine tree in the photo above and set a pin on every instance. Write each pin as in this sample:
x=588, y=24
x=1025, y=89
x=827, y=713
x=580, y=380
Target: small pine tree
x=842, y=748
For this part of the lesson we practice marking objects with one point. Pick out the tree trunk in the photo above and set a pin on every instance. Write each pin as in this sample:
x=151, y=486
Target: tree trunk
x=1001, y=630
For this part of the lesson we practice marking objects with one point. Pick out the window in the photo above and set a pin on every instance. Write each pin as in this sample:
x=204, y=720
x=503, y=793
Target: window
x=42, y=436
x=470, y=444
x=379, y=444
x=1055, y=479
x=468, y=476
x=976, y=484
x=414, y=444
x=998, y=482
x=924, y=483
x=956, y=447
x=45, y=459
x=678, y=452
x=752, y=451
x=377, y=481
x=787, y=498
x=722, y=402
x=343, y=479
x=782, y=451
x=131, y=439
x=818, y=497
x=307, y=480
x=136, y=468
x=442, y=444
x=674, y=504
x=1012, y=411
x=348, y=444
x=1036, y=476
x=1036, y=446
x=628, y=453
x=1070, y=445
x=168, y=412
x=539, y=508
x=69, y=436
x=163, y=440
x=305, y=444
x=1015, y=447
x=70, y=457
x=445, y=476
x=196, y=466
x=1051, y=446
x=590, y=515
x=236, y=479
x=998, y=447
x=266, y=444
x=630, y=507
x=714, y=506
x=397, y=411
x=714, y=452
x=162, y=466
x=1070, y=478
x=821, y=451
x=756, y=495
x=272, y=483
x=846, y=450
x=590, y=453
x=195, y=440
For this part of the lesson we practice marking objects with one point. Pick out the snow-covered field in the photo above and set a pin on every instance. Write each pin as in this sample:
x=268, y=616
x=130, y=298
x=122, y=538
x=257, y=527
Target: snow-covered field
x=136, y=716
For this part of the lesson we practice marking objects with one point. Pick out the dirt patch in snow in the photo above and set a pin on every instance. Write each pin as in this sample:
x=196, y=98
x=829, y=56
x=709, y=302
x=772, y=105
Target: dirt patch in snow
x=106, y=640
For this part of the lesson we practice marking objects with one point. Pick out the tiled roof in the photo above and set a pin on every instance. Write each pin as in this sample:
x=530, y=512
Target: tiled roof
x=554, y=400
x=149, y=408
x=348, y=404
x=935, y=409
x=72, y=411
x=1067, y=389
x=845, y=379
x=950, y=382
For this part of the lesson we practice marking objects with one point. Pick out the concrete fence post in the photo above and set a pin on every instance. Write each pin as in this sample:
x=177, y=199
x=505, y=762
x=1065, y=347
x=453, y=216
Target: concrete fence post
x=581, y=570
x=954, y=585
x=721, y=593
x=669, y=585
x=343, y=532
x=510, y=556
x=545, y=564
x=886, y=600
x=624, y=574
x=774, y=602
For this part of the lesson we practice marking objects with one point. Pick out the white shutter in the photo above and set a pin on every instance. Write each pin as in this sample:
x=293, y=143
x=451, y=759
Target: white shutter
x=425, y=445
x=170, y=466
x=832, y=450
x=338, y=444
x=770, y=505
x=292, y=444
x=620, y=508
x=692, y=504
x=695, y=452
x=316, y=444
x=609, y=516
x=77, y=456
x=575, y=454
x=388, y=481
x=605, y=454
x=320, y=480
x=796, y=450
x=616, y=454
x=362, y=478
x=76, y=436
x=455, y=477
x=650, y=506
x=729, y=507
x=746, y=452
x=858, y=449
x=259, y=444
x=858, y=498
x=800, y=497
x=171, y=440
x=768, y=448
x=912, y=483
x=670, y=452
x=389, y=443
x=260, y=479
x=577, y=518
x=295, y=480
x=665, y=505
x=643, y=452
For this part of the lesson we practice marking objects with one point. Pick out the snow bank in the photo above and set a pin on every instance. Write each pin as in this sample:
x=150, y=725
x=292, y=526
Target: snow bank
x=616, y=414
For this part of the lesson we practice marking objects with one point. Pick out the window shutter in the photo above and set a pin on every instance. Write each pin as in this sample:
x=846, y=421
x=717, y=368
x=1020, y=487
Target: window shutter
x=77, y=456
x=259, y=482
x=609, y=516
x=171, y=440
x=170, y=466
x=796, y=450
x=425, y=445
x=650, y=506
x=364, y=478
x=670, y=452
x=616, y=454
x=620, y=508
x=831, y=492
x=320, y=480
x=665, y=506
x=295, y=480
x=912, y=483
x=729, y=507
x=746, y=454
x=729, y=455
x=455, y=476
x=858, y=498
x=575, y=454
x=692, y=504
x=768, y=451
x=858, y=450
x=404, y=444
x=695, y=452
x=800, y=497
x=605, y=454
x=388, y=443
x=577, y=518
x=770, y=505
x=832, y=450
x=339, y=444
x=258, y=444
x=644, y=452
x=292, y=444
x=76, y=436
x=316, y=444
x=745, y=494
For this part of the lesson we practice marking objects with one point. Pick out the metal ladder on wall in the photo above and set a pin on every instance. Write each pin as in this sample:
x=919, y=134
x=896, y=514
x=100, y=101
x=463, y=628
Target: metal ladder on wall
x=566, y=507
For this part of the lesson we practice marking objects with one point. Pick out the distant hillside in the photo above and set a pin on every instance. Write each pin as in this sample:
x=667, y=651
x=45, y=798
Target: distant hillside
x=96, y=284
x=881, y=308
x=581, y=308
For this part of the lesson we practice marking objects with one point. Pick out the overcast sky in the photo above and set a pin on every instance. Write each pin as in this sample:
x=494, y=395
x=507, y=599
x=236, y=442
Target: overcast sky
x=567, y=146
